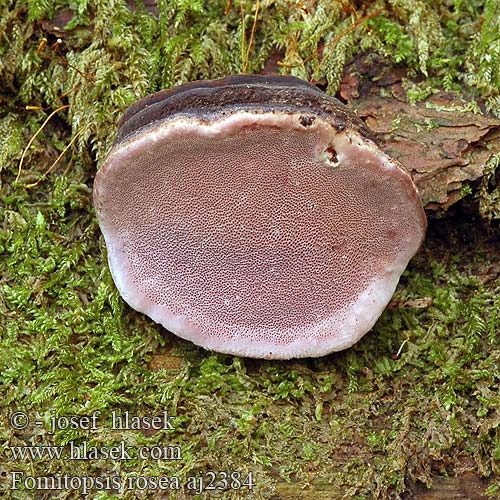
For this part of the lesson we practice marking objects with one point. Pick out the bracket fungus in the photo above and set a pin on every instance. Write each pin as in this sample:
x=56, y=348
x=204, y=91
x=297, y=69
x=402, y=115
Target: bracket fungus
x=255, y=215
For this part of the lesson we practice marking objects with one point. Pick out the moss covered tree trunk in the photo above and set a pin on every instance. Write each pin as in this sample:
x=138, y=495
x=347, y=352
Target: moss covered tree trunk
x=411, y=411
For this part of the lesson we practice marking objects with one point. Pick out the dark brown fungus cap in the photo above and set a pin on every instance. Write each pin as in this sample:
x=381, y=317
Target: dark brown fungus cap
x=254, y=215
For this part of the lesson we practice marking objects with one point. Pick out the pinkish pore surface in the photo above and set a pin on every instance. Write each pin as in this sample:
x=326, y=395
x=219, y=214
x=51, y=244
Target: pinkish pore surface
x=258, y=233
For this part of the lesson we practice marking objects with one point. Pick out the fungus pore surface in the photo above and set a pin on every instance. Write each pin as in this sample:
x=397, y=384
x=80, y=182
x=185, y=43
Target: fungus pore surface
x=257, y=223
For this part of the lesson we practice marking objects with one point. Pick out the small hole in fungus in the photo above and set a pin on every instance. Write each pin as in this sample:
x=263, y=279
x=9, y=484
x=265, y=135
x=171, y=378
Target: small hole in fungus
x=332, y=154
x=306, y=121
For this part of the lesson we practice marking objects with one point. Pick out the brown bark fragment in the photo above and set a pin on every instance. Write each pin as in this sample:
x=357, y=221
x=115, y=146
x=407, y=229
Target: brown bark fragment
x=166, y=361
x=441, y=141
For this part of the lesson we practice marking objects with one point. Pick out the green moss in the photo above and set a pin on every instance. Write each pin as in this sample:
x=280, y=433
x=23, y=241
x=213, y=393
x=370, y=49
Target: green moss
x=69, y=344
x=489, y=193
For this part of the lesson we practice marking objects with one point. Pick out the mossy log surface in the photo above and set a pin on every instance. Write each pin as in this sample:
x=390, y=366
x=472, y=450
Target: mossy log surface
x=445, y=142
x=411, y=411
x=464, y=487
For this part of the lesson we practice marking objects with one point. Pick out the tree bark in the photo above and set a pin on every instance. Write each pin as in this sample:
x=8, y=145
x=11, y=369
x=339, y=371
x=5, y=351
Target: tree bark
x=444, y=140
